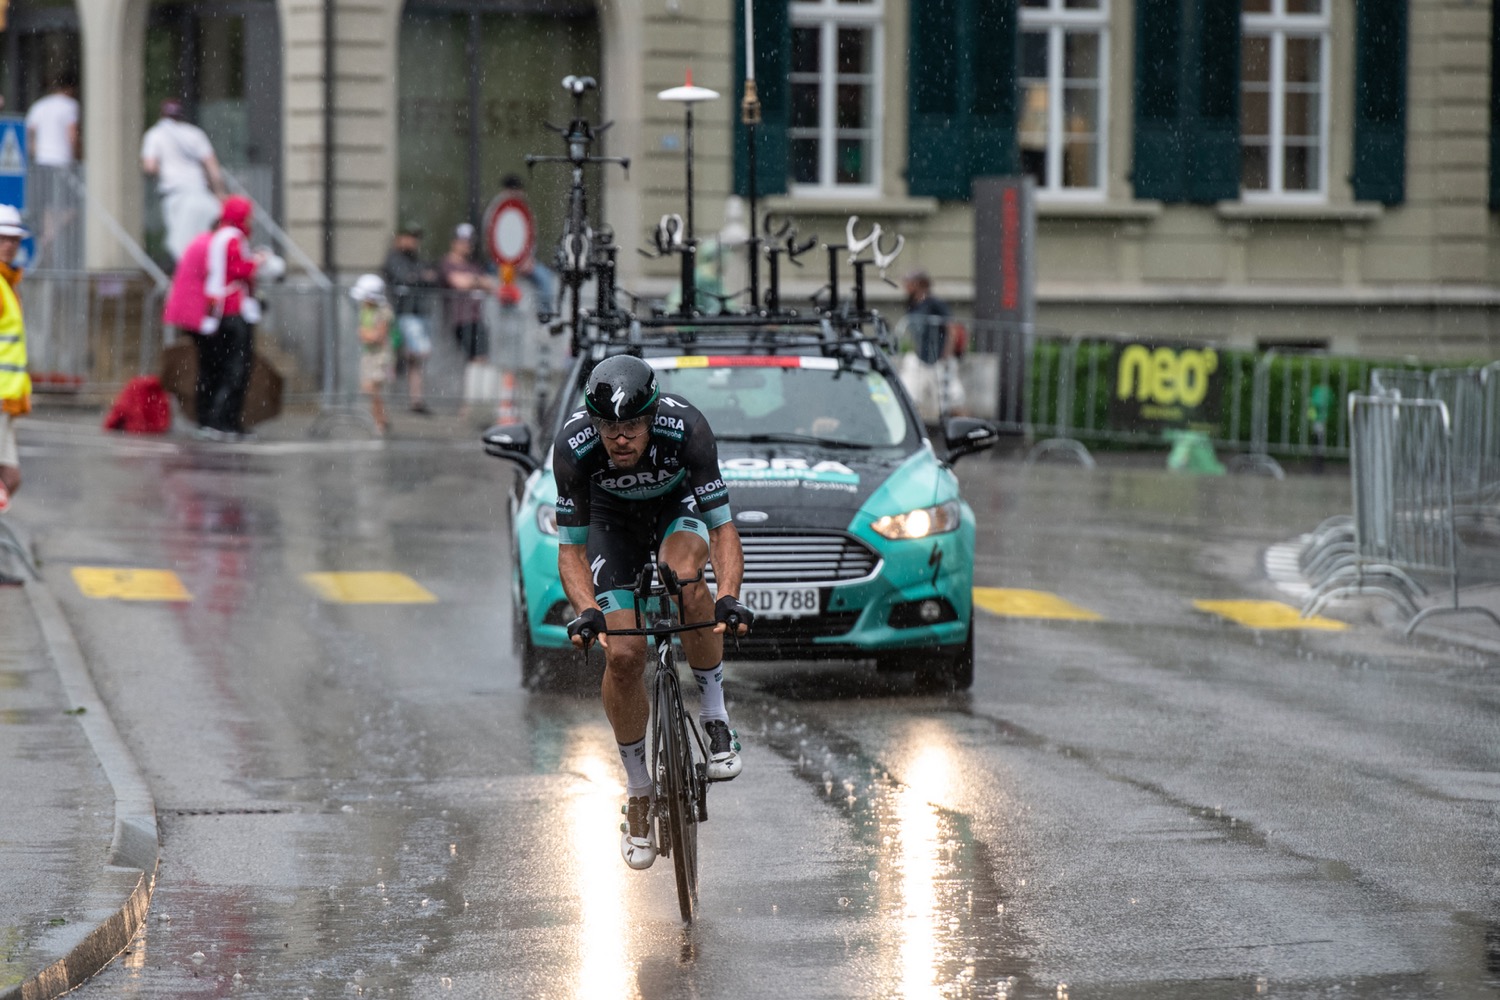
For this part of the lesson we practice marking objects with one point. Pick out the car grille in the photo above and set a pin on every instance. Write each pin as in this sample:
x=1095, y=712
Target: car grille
x=805, y=558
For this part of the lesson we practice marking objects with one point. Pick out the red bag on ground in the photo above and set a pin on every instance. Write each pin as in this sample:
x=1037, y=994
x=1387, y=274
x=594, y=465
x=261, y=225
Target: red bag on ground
x=141, y=408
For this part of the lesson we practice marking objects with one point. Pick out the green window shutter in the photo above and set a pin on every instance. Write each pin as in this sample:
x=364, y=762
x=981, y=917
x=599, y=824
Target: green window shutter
x=937, y=156
x=1157, y=165
x=994, y=36
x=1380, y=101
x=1213, y=106
x=961, y=94
x=1187, y=100
x=773, y=59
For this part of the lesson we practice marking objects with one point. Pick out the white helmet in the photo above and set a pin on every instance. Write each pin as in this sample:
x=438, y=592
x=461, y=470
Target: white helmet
x=368, y=288
x=10, y=222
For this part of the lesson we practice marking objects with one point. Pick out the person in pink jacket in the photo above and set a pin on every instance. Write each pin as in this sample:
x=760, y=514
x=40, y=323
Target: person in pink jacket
x=213, y=298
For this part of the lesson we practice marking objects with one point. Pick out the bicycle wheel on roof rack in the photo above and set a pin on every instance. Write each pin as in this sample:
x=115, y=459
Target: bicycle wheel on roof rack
x=678, y=787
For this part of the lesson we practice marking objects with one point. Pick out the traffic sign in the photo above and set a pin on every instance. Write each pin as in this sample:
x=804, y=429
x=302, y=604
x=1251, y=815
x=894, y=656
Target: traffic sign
x=509, y=231
x=13, y=176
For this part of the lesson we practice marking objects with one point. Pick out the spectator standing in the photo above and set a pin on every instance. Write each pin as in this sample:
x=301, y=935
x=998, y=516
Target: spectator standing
x=375, y=353
x=52, y=139
x=181, y=158
x=52, y=126
x=406, y=277
x=930, y=369
x=227, y=320
x=468, y=283
x=188, y=309
x=15, y=383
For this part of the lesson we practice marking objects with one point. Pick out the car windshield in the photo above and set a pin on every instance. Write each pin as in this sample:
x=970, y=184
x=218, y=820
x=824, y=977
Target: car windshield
x=792, y=399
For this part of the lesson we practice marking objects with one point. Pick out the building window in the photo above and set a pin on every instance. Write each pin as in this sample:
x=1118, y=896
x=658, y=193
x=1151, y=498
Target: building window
x=1283, y=95
x=1064, y=72
x=834, y=128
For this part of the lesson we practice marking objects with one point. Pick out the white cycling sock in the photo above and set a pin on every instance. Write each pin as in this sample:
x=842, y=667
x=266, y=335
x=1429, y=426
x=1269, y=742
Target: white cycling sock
x=711, y=687
x=637, y=774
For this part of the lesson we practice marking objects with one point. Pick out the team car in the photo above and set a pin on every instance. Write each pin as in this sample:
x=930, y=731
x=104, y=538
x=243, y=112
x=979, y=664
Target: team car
x=857, y=542
x=858, y=545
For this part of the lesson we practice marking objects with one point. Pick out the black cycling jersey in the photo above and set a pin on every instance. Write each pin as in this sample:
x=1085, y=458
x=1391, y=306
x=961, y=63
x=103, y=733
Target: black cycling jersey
x=682, y=455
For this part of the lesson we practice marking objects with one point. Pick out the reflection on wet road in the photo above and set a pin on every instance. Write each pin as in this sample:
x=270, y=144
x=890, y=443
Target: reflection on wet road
x=1137, y=799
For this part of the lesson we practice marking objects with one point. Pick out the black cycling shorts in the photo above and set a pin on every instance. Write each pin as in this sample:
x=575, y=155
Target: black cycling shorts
x=623, y=534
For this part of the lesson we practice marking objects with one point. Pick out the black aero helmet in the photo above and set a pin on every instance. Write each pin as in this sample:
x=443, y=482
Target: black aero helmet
x=622, y=388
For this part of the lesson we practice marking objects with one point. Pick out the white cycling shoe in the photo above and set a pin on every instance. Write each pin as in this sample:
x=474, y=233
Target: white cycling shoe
x=636, y=844
x=723, y=751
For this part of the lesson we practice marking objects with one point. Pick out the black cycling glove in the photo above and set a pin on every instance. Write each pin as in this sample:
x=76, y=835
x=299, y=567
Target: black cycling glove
x=733, y=614
x=587, y=626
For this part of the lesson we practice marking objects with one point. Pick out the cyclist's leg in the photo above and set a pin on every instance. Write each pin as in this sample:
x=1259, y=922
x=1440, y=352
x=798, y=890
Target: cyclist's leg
x=616, y=551
x=684, y=547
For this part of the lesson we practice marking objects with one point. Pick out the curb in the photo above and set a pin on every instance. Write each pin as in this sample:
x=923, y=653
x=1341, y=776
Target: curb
x=135, y=847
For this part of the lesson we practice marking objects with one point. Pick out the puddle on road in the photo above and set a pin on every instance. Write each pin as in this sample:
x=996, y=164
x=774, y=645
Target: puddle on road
x=940, y=927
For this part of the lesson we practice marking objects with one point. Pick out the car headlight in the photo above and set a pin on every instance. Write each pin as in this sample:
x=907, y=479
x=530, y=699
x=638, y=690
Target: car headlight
x=919, y=523
x=546, y=519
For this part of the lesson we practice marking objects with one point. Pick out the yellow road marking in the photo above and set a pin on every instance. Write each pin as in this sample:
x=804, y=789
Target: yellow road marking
x=368, y=588
x=1030, y=604
x=1267, y=615
x=112, y=583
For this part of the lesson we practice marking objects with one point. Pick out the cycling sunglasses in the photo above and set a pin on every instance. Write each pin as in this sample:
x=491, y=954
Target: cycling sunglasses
x=627, y=429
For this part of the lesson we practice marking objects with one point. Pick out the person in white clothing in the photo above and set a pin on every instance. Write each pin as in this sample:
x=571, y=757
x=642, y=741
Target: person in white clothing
x=52, y=126
x=181, y=158
x=52, y=143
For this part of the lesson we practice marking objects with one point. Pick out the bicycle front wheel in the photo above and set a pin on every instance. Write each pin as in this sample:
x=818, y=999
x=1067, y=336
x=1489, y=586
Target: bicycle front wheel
x=678, y=788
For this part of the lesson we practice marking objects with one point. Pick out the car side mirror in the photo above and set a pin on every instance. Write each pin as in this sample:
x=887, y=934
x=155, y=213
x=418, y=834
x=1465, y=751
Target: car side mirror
x=511, y=442
x=966, y=435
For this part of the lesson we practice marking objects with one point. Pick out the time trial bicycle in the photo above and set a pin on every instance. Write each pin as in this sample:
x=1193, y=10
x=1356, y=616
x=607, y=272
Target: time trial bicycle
x=679, y=753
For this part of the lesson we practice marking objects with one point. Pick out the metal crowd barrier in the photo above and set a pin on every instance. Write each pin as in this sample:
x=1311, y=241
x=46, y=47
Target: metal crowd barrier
x=1065, y=383
x=1473, y=411
x=87, y=331
x=311, y=335
x=1403, y=527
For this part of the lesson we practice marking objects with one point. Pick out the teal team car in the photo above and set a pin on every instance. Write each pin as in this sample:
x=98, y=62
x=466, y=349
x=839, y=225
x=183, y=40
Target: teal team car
x=857, y=543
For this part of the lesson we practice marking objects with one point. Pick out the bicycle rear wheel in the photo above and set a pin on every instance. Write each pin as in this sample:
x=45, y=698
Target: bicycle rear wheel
x=678, y=788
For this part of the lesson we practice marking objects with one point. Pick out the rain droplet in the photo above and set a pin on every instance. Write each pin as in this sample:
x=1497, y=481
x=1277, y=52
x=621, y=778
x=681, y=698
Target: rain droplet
x=346, y=808
x=447, y=983
x=453, y=850
x=198, y=957
x=844, y=902
x=874, y=876
x=425, y=902
x=239, y=978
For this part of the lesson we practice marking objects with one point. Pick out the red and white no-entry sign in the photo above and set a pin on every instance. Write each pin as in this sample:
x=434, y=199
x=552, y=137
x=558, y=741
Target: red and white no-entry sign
x=509, y=231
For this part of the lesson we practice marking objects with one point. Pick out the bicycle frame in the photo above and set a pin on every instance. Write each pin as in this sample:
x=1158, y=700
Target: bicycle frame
x=680, y=773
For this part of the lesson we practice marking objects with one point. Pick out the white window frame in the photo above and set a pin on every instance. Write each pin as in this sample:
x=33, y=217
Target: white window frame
x=1278, y=26
x=828, y=16
x=1057, y=20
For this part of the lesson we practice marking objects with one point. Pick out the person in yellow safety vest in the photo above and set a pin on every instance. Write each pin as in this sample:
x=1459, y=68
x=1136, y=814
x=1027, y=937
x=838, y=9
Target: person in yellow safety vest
x=15, y=383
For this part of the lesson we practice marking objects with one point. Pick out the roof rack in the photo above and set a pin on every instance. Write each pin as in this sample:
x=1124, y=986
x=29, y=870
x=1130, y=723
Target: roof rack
x=832, y=315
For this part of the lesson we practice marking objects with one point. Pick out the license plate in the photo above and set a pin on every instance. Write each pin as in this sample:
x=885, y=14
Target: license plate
x=781, y=602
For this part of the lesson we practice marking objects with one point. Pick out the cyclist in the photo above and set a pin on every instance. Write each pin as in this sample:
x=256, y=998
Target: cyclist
x=638, y=469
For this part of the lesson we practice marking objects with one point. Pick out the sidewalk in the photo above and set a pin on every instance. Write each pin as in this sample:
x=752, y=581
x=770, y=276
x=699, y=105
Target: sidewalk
x=78, y=831
x=78, y=835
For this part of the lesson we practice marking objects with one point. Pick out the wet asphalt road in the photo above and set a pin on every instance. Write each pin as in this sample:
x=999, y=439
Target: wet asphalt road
x=361, y=800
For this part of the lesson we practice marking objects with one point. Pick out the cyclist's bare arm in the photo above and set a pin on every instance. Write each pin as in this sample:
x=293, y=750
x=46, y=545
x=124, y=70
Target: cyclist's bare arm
x=729, y=564
x=577, y=581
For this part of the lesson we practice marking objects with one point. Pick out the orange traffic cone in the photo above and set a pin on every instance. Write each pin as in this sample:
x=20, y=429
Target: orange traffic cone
x=507, y=412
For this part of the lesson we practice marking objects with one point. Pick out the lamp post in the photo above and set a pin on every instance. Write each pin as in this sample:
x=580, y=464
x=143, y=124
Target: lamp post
x=687, y=95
